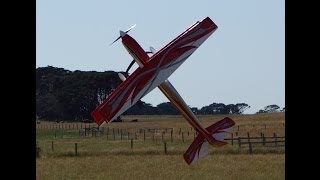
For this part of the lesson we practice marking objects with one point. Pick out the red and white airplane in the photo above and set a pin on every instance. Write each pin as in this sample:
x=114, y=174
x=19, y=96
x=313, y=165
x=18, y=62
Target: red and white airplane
x=154, y=72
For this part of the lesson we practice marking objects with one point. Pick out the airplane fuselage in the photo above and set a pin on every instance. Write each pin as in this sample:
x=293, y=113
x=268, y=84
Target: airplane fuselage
x=141, y=57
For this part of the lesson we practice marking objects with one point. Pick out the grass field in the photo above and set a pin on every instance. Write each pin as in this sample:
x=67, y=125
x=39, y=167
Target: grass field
x=112, y=158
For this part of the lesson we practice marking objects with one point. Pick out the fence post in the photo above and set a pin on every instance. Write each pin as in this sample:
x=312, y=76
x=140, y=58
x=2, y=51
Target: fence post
x=171, y=135
x=144, y=135
x=250, y=146
x=180, y=131
x=114, y=134
x=131, y=143
x=182, y=137
x=263, y=140
x=275, y=139
x=165, y=147
x=121, y=134
x=162, y=136
x=37, y=150
x=128, y=135
x=76, y=148
x=232, y=139
x=55, y=134
x=239, y=141
x=238, y=127
x=52, y=146
x=236, y=133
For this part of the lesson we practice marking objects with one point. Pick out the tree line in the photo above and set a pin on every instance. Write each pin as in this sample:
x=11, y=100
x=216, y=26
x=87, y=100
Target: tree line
x=72, y=95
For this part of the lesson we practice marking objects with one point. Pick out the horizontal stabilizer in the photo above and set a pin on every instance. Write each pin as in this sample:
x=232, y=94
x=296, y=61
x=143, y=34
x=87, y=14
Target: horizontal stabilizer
x=199, y=147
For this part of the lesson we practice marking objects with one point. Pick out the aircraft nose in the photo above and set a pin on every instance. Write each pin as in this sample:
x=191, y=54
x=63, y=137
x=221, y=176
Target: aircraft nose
x=122, y=33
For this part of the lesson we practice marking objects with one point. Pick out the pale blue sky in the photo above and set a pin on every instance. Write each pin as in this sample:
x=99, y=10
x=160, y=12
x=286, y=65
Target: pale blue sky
x=241, y=62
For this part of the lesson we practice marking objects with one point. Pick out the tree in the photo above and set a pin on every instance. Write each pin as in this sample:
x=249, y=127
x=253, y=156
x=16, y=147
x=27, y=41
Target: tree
x=167, y=108
x=71, y=95
x=238, y=108
x=269, y=109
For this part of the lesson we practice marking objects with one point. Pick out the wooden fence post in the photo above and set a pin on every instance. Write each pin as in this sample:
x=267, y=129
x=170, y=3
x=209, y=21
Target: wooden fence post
x=131, y=143
x=76, y=149
x=182, y=137
x=232, y=139
x=171, y=135
x=144, y=135
x=38, y=150
x=52, y=146
x=263, y=140
x=239, y=142
x=162, y=136
x=165, y=147
x=275, y=139
x=250, y=146
x=238, y=127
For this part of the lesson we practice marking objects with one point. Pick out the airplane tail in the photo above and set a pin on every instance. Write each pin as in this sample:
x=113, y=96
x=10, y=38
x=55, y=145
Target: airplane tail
x=200, y=147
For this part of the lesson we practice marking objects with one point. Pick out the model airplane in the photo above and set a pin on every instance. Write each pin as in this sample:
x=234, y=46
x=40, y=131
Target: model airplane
x=153, y=72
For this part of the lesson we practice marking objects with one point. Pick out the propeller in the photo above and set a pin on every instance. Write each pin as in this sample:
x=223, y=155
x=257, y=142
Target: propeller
x=123, y=33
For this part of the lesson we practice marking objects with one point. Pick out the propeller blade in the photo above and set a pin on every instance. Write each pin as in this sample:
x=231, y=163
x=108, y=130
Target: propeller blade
x=123, y=33
x=115, y=40
x=130, y=28
x=132, y=62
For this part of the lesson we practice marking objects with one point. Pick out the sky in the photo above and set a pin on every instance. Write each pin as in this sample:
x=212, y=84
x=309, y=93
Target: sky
x=243, y=61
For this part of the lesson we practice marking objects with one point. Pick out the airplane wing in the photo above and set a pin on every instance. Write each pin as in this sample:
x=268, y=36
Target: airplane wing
x=157, y=70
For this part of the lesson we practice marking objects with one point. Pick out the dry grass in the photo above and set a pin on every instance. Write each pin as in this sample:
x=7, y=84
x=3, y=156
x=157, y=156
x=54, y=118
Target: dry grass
x=161, y=167
x=99, y=158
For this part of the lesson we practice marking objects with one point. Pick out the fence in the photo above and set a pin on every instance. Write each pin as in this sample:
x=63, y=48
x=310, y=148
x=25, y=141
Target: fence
x=241, y=142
